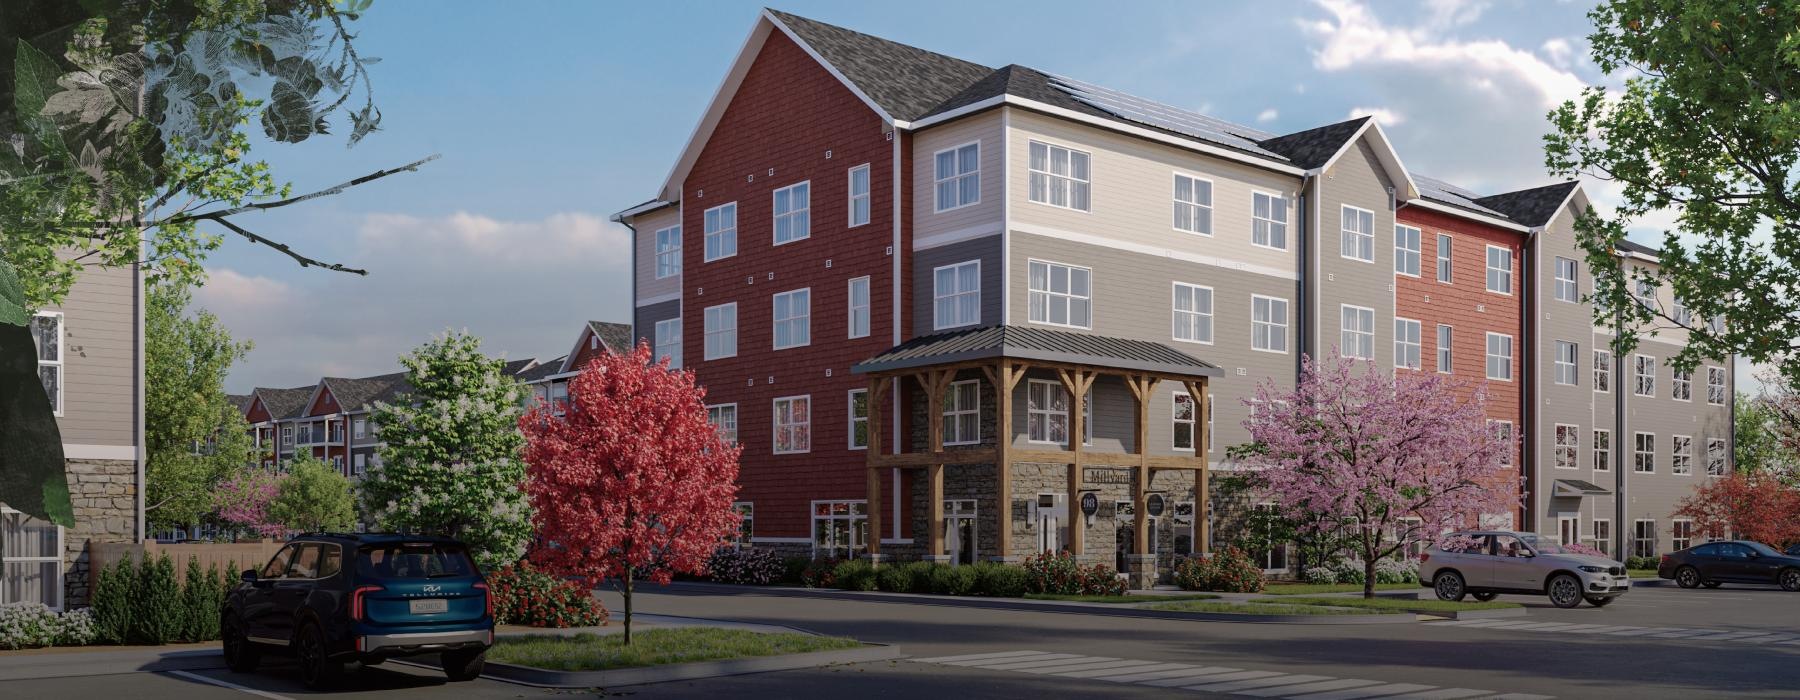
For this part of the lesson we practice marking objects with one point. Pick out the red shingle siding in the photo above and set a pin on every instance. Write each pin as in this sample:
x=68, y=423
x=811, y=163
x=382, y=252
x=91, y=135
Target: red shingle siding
x=1467, y=306
x=785, y=117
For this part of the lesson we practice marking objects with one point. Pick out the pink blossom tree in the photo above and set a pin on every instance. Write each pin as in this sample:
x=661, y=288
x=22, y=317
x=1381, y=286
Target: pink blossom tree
x=632, y=482
x=1394, y=459
x=243, y=500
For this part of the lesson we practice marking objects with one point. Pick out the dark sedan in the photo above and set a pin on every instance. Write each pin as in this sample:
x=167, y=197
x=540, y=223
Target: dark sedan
x=1737, y=561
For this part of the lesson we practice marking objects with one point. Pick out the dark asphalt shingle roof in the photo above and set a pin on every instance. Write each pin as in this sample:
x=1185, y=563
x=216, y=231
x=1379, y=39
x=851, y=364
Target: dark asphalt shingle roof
x=615, y=336
x=512, y=368
x=541, y=371
x=1635, y=247
x=1314, y=147
x=285, y=403
x=1445, y=193
x=908, y=82
x=1030, y=343
x=240, y=401
x=354, y=394
x=1532, y=207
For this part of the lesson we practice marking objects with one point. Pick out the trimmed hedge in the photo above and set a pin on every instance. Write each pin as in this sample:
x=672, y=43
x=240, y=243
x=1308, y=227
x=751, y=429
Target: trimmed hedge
x=526, y=596
x=142, y=602
x=757, y=567
x=1228, y=570
x=1058, y=572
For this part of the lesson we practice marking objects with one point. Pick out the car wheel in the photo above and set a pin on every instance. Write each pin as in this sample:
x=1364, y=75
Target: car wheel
x=463, y=665
x=1601, y=601
x=1565, y=591
x=1790, y=580
x=1485, y=597
x=317, y=669
x=1687, y=577
x=241, y=655
x=1449, y=586
x=1711, y=584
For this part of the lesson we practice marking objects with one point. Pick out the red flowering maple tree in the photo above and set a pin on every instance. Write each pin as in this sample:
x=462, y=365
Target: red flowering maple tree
x=1392, y=458
x=1754, y=506
x=631, y=483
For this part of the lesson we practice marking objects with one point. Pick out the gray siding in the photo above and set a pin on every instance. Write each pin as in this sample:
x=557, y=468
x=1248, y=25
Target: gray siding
x=100, y=358
x=1356, y=180
x=1578, y=405
x=925, y=263
x=648, y=286
x=644, y=322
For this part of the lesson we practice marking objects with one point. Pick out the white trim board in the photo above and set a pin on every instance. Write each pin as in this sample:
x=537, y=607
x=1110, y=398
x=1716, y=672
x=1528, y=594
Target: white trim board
x=124, y=453
x=938, y=240
x=1089, y=239
x=658, y=299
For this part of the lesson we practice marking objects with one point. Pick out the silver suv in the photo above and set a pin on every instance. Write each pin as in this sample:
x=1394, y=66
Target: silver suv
x=1487, y=563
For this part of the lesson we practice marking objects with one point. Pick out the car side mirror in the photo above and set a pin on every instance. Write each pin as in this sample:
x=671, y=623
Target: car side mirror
x=1755, y=555
x=249, y=576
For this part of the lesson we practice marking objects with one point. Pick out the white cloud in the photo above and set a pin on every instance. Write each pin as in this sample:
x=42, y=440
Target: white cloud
x=1385, y=117
x=1447, y=14
x=1268, y=115
x=1559, y=51
x=524, y=286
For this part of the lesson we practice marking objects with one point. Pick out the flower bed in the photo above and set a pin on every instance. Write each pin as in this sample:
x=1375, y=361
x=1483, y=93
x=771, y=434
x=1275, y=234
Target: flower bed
x=525, y=596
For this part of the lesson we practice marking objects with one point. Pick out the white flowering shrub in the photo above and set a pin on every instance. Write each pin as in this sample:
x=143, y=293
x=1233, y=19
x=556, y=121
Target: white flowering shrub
x=1397, y=571
x=1321, y=575
x=30, y=625
x=77, y=629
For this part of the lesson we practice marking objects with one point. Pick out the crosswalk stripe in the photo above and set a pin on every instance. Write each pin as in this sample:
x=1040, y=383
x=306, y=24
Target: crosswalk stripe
x=1520, y=696
x=1140, y=673
x=1727, y=635
x=1368, y=692
x=1239, y=676
x=989, y=662
x=1110, y=670
x=1543, y=626
x=1180, y=671
x=1115, y=663
x=1504, y=624
x=1046, y=663
x=1281, y=680
x=1440, y=694
x=972, y=657
x=1797, y=641
x=1184, y=678
x=1768, y=639
x=1320, y=686
x=1584, y=629
x=1638, y=631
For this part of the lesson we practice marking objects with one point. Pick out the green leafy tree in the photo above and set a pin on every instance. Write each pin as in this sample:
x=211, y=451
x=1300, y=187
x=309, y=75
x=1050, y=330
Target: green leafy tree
x=32, y=476
x=1757, y=447
x=1708, y=126
x=450, y=462
x=313, y=497
x=193, y=436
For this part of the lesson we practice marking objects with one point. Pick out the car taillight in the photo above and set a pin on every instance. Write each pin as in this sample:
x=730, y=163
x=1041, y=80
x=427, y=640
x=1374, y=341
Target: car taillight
x=1424, y=557
x=356, y=601
x=487, y=596
x=1665, y=559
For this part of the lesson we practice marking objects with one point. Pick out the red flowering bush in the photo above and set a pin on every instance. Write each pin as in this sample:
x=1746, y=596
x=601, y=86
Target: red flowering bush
x=820, y=573
x=1057, y=572
x=1229, y=570
x=757, y=567
x=525, y=596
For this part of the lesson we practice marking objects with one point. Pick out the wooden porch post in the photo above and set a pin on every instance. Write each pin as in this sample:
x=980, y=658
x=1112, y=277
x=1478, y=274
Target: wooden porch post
x=878, y=387
x=1144, y=388
x=935, y=382
x=1202, y=497
x=1076, y=382
x=1003, y=376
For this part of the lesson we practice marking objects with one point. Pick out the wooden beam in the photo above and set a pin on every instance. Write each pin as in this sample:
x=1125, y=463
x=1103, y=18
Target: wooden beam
x=1001, y=376
x=1076, y=382
x=1143, y=388
x=935, y=385
x=983, y=455
x=878, y=388
x=1202, y=477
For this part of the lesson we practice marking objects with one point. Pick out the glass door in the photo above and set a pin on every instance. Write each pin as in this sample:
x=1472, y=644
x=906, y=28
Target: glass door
x=959, y=531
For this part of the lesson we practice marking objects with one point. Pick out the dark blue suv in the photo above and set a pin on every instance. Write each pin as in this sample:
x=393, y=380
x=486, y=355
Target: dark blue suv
x=335, y=599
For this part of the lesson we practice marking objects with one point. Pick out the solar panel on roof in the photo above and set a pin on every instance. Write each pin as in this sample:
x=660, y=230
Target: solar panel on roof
x=1163, y=116
x=1432, y=188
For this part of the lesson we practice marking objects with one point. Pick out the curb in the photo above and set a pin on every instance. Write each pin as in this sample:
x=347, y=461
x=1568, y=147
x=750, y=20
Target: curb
x=1650, y=582
x=1479, y=614
x=1107, y=609
x=619, y=677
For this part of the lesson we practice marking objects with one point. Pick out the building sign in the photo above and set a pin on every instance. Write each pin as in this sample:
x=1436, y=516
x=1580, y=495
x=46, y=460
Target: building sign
x=1090, y=504
x=1094, y=475
x=1153, y=504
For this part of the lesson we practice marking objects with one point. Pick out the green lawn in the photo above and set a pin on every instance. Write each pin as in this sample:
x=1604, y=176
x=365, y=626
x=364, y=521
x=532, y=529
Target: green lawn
x=1641, y=573
x=1201, y=606
x=1317, y=588
x=594, y=652
x=1394, y=604
x=1120, y=598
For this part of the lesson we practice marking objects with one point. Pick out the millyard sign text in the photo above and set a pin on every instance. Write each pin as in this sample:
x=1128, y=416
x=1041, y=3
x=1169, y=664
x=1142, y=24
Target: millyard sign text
x=1092, y=475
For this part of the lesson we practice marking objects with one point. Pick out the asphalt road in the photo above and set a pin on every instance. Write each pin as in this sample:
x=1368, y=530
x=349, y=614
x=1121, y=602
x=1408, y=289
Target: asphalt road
x=1656, y=642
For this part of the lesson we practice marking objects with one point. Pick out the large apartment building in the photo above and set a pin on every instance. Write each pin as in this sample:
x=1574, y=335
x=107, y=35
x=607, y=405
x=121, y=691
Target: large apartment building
x=907, y=280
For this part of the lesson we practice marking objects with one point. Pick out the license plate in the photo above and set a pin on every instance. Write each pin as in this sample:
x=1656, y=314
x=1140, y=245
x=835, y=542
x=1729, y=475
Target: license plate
x=427, y=607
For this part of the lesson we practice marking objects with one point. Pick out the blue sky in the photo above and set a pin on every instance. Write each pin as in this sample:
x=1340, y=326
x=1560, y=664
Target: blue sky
x=550, y=116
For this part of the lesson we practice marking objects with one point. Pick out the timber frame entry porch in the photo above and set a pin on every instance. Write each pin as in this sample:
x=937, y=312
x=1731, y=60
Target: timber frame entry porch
x=1004, y=354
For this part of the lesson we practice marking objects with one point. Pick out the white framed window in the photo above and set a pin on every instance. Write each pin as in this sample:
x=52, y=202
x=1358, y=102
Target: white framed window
x=1047, y=413
x=1499, y=356
x=1603, y=450
x=1061, y=295
x=1684, y=316
x=724, y=419
x=31, y=563
x=859, y=307
x=1643, y=369
x=1603, y=371
x=1357, y=238
x=1357, y=339
x=1643, y=538
x=1568, y=280
x=957, y=176
x=1406, y=250
x=1192, y=313
x=793, y=424
x=559, y=397
x=668, y=341
x=793, y=319
x=359, y=428
x=1269, y=554
x=1268, y=324
x=1499, y=269
x=859, y=195
x=793, y=212
x=1444, y=248
x=962, y=413
x=1268, y=220
x=1681, y=534
x=721, y=331
x=1210, y=416
x=1059, y=176
x=359, y=464
x=956, y=295
x=746, y=512
x=1193, y=204
x=1568, y=446
x=668, y=252
x=47, y=334
x=1568, y=372
x=1716, y=452
x=1445, y=348
x=1715, y=386
x=287, y=436
x=859, y=419
x=1503, y=430
x=1681, y=384
x=840, y=528
x=721, y=231
x=1182, y=422
x=1646, y=292
x=1407, y=343
x=1681, y=455
x=1643, y=453
x=1603, y=535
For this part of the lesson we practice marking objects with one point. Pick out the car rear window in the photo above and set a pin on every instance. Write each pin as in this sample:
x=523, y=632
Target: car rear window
x=413, y=561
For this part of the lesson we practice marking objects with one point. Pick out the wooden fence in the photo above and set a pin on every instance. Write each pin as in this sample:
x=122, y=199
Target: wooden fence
x=230, y=557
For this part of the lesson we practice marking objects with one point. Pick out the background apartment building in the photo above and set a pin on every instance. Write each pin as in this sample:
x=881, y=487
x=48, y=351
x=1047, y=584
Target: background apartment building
x=850, y=205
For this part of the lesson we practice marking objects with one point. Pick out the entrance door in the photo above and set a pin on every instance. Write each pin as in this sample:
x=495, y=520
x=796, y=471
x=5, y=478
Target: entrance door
x=1052, y=514
x=1568, y=528
x=959, y=531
